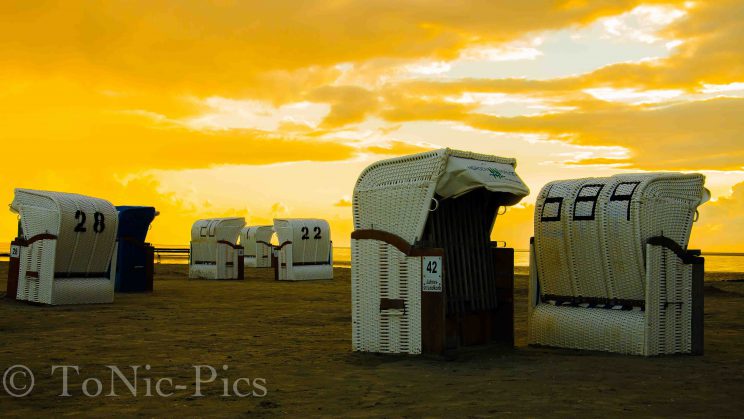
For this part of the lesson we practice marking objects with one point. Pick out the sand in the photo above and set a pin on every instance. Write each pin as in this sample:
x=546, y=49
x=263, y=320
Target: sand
x=296, y=336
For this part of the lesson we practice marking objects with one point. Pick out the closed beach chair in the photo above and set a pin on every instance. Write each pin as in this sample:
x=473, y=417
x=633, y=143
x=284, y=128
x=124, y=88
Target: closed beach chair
x=214, y=253
x=305, y=250
x=134, y=259
x=64, y=248
x=256, y=242
x=425, y=274
x=610, y=270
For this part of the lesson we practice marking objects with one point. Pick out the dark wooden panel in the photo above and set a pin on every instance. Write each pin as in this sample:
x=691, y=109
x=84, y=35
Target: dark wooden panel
x=392, y=304
x=13, y=272
x=503, y=325
x=149, y=266
x=462, y=227
x=241, y=265
x=698, y=302
x=479, y=285
x=432, y=322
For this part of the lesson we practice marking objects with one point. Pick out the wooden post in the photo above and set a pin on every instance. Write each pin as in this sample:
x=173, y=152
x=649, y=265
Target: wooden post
x=503, y=326
x=698, y=303
x=149, y=266
x=14, y=268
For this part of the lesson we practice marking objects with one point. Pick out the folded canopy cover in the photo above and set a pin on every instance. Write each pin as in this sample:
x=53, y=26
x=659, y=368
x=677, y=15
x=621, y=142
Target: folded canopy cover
x=134, y=221
x=395, y=195
x=462, y=175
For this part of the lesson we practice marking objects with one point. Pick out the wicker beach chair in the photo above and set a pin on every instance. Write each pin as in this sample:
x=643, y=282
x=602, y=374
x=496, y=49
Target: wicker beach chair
x=256, y=242
x=214, y=253
x=426, y=276
x=134, y=259
x=64, y=248
x=609, y=268
x=305, y=250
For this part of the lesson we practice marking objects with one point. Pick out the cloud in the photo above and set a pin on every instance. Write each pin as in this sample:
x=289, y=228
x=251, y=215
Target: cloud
x=349, y=104
x=396, y=148
x=343, y=202
x=95, y=92
x=278, y=209
x=690, y=136
x=228, y=47
x=720, y=224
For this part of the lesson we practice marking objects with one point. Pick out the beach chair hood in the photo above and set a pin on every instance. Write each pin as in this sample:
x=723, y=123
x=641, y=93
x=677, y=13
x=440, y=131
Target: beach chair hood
x=396, y=195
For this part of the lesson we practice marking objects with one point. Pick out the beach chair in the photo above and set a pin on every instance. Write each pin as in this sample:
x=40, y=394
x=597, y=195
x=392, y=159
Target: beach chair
x=425, y=274
x=610, y=270
x=63, y=249
x=305, y=250
x=256, y=242
x=134, y=259
x=214, y=253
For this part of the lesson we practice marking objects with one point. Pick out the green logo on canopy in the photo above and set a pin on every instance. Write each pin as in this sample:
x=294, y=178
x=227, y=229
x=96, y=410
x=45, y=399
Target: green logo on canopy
x=496, y=174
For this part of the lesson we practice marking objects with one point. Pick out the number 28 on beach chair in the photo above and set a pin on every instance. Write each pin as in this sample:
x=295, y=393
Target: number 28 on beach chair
x=63, y=250
x=609, y=269
x=426, y=276
x=214, y=253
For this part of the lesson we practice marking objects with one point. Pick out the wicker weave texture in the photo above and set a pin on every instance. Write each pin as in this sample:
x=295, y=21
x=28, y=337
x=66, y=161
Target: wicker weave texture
x=397, y=196
x=210, y=257
x=71, y=269
x=380, y=271
x=590, y=233
x=590, y=242
x=306, y=249
x=257, y=255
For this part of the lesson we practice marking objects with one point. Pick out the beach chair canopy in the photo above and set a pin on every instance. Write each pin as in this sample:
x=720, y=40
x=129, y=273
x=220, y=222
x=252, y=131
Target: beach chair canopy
x=310, y=239
x=214, y=252
x=213, y=230
x=66, y=236
x=591, y=234
x=305, y=250
x=134, y=258
x=84, y=227
x=134, y=222
x=615, y=242
x=252, y=235
x=396, y=195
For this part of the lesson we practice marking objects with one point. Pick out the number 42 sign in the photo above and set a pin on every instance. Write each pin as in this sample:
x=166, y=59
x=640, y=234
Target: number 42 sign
x=431, y=274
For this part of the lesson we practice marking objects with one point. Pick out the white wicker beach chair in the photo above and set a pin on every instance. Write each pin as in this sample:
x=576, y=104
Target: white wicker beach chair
x=64, y=246
x=426, y=276
x=256, y=242
x=305, y=250
x=609, y=268
x=214, y=253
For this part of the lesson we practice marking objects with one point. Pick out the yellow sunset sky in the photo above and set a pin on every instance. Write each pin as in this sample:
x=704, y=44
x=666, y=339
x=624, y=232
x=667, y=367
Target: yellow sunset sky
x=264, y=109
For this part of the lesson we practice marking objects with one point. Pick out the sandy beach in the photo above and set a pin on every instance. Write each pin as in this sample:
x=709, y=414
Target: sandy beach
x=296, y=336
